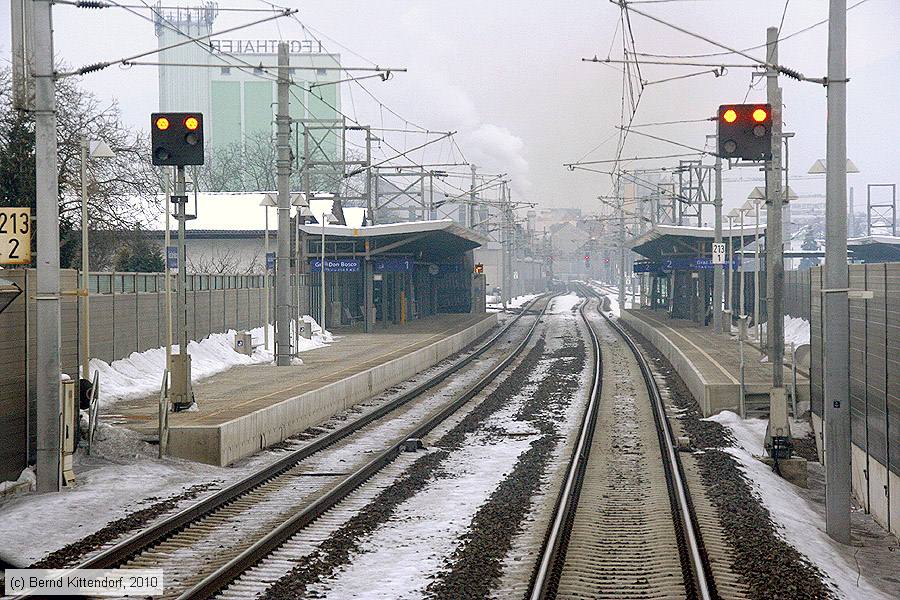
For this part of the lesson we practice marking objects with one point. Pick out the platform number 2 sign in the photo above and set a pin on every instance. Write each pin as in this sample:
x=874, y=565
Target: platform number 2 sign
x=15, y=236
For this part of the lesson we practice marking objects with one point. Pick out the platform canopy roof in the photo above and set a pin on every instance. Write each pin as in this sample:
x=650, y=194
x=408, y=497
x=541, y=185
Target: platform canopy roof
x=668, y=241
x=875, y=248
x=434, y=239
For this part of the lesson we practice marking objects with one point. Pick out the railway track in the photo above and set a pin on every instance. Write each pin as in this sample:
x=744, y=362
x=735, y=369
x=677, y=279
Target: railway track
x=624, y=525
x=208, y=545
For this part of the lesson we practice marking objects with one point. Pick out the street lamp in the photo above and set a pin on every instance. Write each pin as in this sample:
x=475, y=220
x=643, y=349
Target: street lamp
x=729, y=291
x=741, y=309
x=268, y=201
x=325, y=216
x=89, y=149
x=756, y=198
x=819, y=168
x=299, y=200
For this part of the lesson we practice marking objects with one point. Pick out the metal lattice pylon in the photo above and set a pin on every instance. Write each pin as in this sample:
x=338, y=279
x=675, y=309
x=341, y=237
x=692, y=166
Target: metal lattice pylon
x=881, y=217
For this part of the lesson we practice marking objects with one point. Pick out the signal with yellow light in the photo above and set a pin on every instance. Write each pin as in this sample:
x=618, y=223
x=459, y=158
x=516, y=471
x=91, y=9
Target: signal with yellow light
x=176, y=139
x=745, y=131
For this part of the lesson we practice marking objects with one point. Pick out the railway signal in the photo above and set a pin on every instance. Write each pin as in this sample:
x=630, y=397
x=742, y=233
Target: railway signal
x=745, y=131
x=176, y=139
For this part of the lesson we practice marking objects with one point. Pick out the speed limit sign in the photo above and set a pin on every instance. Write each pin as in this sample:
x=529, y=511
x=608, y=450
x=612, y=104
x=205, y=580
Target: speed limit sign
x=15, y=236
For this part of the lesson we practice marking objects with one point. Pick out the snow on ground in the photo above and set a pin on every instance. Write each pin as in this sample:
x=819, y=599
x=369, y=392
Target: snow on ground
x=123, y=470
x=113, y=482
x=564, y=304
x=612, y=292
x=140, y=374
x=493, y=302
x=425, y=528
x=800, y=524
x=413, y=545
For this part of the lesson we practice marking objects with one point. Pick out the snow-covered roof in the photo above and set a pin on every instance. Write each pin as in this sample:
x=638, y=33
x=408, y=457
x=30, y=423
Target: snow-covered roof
x=874, y=239
x=404, y=228
x=682, y=239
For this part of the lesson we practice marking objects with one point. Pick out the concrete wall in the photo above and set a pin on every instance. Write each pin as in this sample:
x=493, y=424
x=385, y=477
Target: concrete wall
x=874, y=330
x=122, y=323
x=873, y=486
x=17, y=324
x=223, y=444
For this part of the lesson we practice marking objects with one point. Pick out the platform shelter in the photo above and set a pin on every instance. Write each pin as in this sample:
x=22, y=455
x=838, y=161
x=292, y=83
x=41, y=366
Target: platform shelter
x=394, y=273
x=874, y=249
x=677, y=269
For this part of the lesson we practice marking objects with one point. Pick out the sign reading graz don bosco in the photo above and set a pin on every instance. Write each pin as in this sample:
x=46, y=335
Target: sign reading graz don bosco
x=266, y=46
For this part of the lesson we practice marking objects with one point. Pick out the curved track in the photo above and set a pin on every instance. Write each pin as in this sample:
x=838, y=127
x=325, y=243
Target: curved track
x=624, y=525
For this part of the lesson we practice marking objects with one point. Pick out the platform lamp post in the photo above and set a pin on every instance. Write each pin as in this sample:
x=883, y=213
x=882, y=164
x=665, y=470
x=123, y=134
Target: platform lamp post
x=268, y=201
x=729, y=280
x=818, y=168
x=89, y=149
x=743, y=300
x=298, y=200
x=324, y=216
x=754, y=200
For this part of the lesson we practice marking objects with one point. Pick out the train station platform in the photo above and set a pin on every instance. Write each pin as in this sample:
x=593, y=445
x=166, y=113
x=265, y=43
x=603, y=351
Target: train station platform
x=250, y=407
x=709, y=363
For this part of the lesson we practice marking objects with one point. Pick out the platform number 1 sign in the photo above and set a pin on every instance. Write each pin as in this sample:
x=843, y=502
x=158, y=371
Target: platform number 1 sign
x=718, y=253
x=15, y=236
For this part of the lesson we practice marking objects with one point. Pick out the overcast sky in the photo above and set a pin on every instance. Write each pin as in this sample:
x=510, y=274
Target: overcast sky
x=508, y=76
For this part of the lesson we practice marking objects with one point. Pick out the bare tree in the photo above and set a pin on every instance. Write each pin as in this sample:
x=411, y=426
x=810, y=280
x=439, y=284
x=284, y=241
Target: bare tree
x=223, y=260
x=123, y=190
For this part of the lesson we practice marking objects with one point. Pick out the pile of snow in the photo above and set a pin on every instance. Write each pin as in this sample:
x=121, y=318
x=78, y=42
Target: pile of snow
x=140, y=374
x=796, y=330
x=26, y=478
x=797, y=521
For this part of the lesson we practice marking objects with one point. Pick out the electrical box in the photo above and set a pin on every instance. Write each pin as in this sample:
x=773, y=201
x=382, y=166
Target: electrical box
x=180, y=392
x=69, y=430
x=243, y=343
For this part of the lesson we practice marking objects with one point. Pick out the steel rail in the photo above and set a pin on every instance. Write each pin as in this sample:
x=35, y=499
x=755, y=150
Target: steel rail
x=699, y=563
x=545, y=578
x=227, y=573
x=146, y=538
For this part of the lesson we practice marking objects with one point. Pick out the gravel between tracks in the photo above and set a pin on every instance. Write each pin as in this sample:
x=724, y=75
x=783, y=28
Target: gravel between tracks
x=772, y=568
x=337, y=550
x=475, y=566
x=115, y=529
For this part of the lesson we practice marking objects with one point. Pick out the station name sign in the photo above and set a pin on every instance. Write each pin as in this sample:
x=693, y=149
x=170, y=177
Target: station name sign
x=680, y=264
x=335, y=265
x=266, y=46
